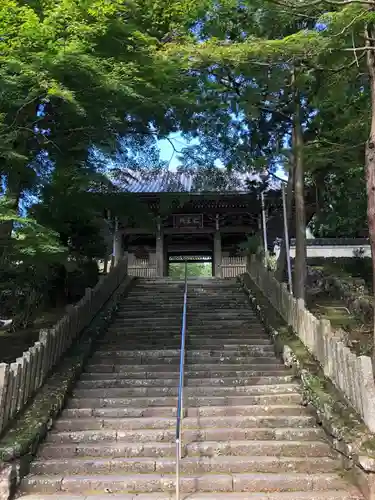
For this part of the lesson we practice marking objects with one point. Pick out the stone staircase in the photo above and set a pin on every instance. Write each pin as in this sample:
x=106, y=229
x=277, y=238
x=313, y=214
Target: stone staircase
x=245, y=433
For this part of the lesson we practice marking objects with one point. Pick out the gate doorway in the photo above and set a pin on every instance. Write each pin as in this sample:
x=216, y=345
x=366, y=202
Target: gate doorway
x=198, y=266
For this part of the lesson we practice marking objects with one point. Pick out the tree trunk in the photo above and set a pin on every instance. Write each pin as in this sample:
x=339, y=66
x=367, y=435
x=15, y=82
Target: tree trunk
x=12, y=198
x=106, y=264
x=281, y=261
x=299, y=193
x=370, y=163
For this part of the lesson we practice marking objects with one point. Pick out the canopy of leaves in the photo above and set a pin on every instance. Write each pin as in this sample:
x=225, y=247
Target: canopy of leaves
x=87, y=87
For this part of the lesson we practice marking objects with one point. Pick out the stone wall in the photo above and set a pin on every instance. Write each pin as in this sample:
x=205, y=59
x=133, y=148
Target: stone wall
x=332, y=248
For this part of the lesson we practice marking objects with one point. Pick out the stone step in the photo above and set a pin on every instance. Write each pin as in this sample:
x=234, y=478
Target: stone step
x=194, y=307
x=213, y=291
x=129, y=344
x=195, y=301
x=191, y=354
x=242, y=338
x=197, y=308
x=217, y=314
x=243, y=351
x=169, y=330
x=125, y=341
x=189, y=435
x=189, y=375
x=194, y=293
x=251, y=324
x=122, y=449
x=189, y=465
x=163, y=317
x=177, y=295
x=210, y=306
x=165, y=331
x=245, y=433
x=255, y=359
x=136, y=483
x=204, y=411
x=257, y=365
x=189, y=382
x=137, y=353
x=129, y=362
x=175, y=321
x=344, y=494
x=192, y=312
x=202, y=290
x=193, y=290
x=114, y=392
x=144, y=402
x=82, y=424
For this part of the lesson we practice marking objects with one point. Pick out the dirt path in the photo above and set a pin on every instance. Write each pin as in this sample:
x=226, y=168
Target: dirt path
x=14, y=343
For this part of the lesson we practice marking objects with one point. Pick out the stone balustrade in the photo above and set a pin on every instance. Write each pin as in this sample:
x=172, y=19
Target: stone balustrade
x=20, y=380
x=351, y=374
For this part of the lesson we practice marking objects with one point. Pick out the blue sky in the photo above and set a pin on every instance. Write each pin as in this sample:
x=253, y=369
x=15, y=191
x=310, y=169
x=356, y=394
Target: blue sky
x=168, y=154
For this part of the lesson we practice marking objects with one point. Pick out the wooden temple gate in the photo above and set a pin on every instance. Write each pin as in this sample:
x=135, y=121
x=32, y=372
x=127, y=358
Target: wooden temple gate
x=212, y=226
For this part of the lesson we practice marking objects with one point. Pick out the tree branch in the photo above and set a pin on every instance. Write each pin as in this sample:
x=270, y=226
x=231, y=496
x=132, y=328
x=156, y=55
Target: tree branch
x=355, y=18
x=313, y=3
x=173, y=146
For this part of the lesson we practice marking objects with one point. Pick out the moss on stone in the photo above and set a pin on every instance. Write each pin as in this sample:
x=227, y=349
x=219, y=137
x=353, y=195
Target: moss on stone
x=348, y=432
x=369, y=446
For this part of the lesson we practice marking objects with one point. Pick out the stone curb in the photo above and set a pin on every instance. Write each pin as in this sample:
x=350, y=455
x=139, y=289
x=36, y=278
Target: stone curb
x=19, y=444
x=348, y=434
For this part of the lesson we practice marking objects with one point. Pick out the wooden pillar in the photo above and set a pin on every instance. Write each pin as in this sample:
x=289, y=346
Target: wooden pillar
x=166, y=263
x=217, y=254
x=159, y=250
x=217, y=248
x=117, y=248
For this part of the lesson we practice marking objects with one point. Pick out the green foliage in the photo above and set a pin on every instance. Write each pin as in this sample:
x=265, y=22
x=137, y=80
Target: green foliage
x=28, y=265
x=30, y=240
x=97, y=75
x=194, y=270
x=115, y=76
x=245, y=66
x=252, y=245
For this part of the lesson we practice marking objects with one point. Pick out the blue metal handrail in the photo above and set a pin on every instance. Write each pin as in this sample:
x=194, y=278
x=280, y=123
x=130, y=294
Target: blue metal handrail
x=180, y=402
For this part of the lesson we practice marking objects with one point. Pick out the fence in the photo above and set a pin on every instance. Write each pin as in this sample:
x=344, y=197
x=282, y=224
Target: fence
x=352, y=374
x=232, y=266
x=142, y=268
x=20, y=380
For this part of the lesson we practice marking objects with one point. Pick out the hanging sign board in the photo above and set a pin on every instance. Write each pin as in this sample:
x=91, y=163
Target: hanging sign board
x=192, y=221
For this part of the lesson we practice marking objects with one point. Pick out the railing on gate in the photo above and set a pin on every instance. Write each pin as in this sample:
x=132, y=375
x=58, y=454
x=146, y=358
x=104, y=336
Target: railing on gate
x=142, y=268
x=231, y=267
x=180, y=402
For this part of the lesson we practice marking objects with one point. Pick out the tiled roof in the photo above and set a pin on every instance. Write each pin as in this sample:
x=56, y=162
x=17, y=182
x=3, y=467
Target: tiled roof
x=176, y=182
x=165, y=182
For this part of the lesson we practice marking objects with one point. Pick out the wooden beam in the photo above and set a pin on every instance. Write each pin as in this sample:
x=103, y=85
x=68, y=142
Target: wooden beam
x=244, y=229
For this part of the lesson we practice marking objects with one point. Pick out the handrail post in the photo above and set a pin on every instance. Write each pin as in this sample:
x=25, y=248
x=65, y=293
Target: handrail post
x=180, y=400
